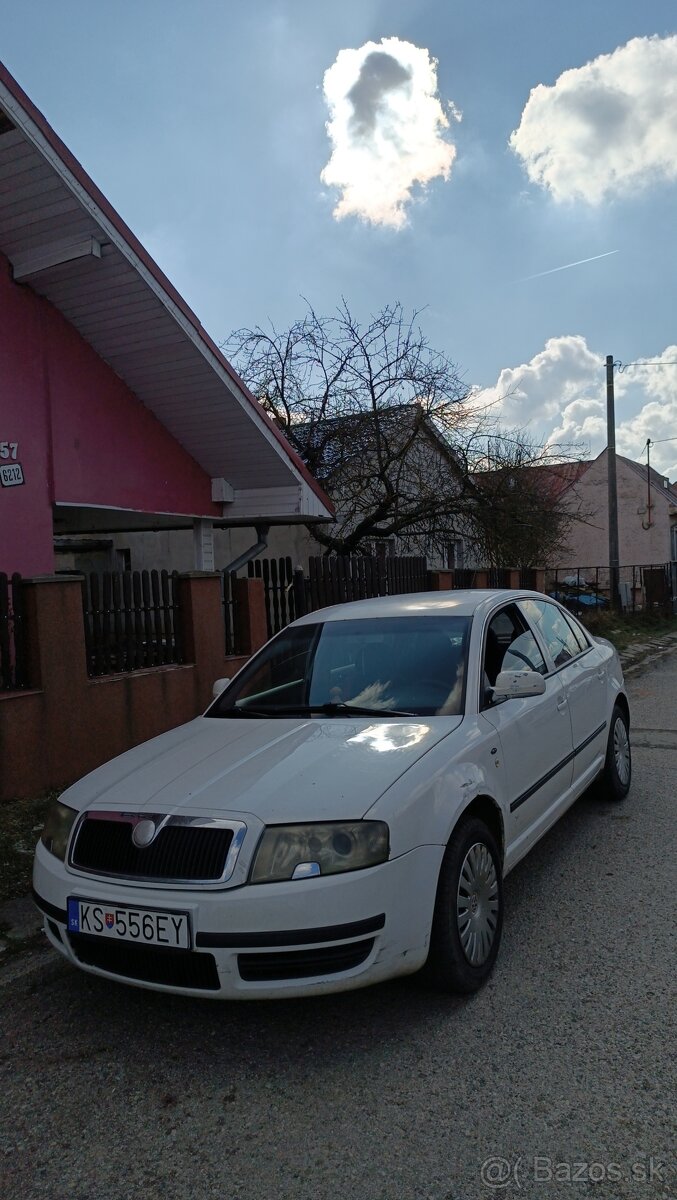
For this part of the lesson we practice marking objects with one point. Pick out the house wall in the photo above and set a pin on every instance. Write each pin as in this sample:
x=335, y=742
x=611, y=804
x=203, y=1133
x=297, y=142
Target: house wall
x=172, y=550
x=589, y=542
x=83, y=437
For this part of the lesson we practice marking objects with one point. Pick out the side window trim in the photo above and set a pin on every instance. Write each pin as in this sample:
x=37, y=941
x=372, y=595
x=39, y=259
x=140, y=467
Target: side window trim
x=577, y=630
x=504, y=607
x=541, y=640
x=481, y=697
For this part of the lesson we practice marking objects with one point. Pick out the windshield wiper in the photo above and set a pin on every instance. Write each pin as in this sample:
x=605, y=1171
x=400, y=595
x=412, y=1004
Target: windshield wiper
x=239, y=711
x=307, y=710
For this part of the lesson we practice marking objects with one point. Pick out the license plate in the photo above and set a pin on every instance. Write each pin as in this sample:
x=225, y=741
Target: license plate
x=152, y=927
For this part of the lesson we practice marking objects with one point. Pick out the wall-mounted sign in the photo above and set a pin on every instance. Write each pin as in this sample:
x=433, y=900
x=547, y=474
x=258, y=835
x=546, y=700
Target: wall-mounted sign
x=11, y=471
x=11, y=474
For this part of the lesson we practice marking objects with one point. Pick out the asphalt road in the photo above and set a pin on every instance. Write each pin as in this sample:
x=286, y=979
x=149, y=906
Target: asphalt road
x=557, y=1079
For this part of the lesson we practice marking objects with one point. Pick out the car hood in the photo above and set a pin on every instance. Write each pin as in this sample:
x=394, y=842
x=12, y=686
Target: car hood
x=279, y=770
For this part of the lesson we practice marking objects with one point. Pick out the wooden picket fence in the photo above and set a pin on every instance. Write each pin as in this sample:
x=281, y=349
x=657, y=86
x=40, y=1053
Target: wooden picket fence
x=290, y=593
x=132, y=620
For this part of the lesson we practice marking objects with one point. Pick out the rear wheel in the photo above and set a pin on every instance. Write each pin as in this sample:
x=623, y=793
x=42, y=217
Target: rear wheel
x=617, y=774
x=468, y=919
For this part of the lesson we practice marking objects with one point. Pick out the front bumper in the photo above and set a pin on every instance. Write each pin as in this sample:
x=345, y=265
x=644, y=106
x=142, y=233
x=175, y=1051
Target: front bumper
x=303, y=937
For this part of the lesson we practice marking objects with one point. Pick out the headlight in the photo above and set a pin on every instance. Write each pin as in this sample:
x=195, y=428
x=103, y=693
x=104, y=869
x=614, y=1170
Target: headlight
x=57, y=827
x=319, y=849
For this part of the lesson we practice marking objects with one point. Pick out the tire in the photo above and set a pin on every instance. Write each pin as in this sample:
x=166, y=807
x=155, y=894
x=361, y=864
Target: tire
x=465, y=937
x=614, y=782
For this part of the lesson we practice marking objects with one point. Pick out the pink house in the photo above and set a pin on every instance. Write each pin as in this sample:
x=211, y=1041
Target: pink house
x=117, y=411
x=647, y=515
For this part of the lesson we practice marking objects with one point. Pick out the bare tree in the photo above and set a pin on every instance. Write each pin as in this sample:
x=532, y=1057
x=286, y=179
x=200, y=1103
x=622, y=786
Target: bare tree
x=378, y=416
x=526, y=501
x=386, y=424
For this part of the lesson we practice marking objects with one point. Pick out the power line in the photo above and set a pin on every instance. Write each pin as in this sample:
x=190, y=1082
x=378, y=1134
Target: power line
x=656, y=362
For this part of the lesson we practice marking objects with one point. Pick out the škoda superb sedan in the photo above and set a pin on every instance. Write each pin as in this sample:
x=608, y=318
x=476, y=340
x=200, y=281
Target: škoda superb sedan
x=346, y=809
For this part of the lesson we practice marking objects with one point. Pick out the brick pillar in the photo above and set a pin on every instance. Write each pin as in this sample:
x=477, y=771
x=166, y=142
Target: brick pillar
x=251, y=626
x=203, y=634
x=57, y=664
x=481, y=579
x=513, y=579
x=440, y=581
x=539, y=582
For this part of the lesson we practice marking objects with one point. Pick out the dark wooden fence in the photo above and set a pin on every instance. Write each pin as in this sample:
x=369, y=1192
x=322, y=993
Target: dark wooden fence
x=335, y=580
x=13, y=668
x=290, y=593
x=132, y=620
x=283, y=598
x=528, y=578
x=499, y=577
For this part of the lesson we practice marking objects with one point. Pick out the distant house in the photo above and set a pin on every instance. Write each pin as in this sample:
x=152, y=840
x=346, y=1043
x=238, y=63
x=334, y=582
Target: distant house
x=393, y=463
x=647, y=514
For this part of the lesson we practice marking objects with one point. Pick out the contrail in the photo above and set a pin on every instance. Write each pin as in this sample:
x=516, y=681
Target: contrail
x=566, y=267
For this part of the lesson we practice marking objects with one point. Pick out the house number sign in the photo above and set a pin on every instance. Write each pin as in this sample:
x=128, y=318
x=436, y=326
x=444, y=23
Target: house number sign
x=11, y=471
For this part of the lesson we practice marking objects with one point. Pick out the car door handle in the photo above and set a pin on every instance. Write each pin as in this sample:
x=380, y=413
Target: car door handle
x=601, y=674
x=561, y=703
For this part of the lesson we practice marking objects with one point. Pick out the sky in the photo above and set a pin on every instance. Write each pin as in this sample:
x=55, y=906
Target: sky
x=455, y=155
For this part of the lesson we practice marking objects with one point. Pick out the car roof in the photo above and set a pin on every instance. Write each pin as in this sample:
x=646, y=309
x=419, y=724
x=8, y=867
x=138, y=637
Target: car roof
x=461, y=603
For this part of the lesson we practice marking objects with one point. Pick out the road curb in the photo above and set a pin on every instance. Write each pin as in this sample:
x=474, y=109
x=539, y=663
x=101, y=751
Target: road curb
x=646, y=654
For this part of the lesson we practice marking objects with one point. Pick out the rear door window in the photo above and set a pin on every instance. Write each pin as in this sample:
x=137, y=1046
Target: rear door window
x=554, y=629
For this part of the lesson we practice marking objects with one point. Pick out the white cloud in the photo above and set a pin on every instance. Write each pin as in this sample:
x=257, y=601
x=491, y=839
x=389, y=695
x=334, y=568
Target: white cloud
x=387, y=128
x=657, y=418
x=560, y=396
x=537, y=392
x=605, y=128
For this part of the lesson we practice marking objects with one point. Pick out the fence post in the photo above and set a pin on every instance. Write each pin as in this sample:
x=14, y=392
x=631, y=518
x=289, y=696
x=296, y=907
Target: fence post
x=440, y=581
x=251, y=626
x=299, y=592
x=203, y=635
x=57, y=664
x=55, y=626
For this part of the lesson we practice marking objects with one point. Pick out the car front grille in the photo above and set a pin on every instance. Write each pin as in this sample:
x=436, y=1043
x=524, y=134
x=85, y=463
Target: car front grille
x=303, y=964
x=183, y=853
x=147, y=964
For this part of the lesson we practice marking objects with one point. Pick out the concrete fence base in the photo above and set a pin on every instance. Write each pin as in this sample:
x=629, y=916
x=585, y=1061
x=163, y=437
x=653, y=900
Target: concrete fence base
x=67, y=723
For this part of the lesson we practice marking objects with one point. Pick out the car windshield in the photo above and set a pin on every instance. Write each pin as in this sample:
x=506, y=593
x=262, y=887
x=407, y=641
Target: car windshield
x=413, y=665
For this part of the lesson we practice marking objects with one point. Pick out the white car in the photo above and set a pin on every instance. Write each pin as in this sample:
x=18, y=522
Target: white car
x=346, y=809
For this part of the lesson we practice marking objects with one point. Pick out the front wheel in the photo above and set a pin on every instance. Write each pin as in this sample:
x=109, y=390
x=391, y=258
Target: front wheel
x=468, y=918
x=617, y=773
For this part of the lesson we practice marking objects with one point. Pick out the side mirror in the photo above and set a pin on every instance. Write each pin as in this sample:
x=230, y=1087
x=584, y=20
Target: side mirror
x=512, y=685
x=219, y=686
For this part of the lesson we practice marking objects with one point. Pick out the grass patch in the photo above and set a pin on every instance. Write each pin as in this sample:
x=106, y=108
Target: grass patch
x=626, y=630
x=20, y=825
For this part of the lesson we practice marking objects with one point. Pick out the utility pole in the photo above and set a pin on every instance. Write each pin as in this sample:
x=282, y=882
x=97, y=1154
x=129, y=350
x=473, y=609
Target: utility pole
x=611, y=483
x=648, y=483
